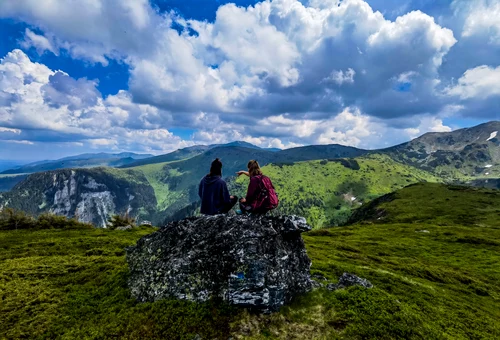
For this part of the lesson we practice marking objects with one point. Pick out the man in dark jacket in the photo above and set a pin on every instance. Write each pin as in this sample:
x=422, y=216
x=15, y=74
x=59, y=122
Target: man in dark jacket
x=215, y=198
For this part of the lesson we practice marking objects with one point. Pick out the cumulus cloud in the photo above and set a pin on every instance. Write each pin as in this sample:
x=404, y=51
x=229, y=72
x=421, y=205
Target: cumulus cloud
x=50, y=106
x=428, y=124
x=279, y=73
x=481, y=18
x=267, y=59
x=91, y=29
x=39, y=42
x=480, y=82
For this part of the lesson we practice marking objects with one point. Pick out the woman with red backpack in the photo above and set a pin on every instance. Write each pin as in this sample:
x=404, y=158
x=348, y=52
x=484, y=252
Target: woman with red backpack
x=261, y=196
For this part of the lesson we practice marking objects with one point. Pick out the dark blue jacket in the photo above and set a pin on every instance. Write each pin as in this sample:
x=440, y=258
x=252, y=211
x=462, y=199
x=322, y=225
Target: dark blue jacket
x=214, y=195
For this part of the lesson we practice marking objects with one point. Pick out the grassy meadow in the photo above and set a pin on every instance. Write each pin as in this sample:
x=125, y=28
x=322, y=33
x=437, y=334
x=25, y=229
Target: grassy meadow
x=433, y=259
x=325, y=192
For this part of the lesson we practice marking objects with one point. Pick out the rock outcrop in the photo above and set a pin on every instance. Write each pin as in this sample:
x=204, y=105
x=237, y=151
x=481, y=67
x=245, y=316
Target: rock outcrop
x=348, y=280
x=91, y=195
x=254, y=262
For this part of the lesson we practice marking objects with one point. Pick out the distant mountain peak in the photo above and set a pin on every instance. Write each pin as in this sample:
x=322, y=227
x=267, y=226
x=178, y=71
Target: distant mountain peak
x=244, y=145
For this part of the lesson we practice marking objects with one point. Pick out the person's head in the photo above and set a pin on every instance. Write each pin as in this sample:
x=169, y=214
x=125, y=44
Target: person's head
x=254, y=168
x=216, y=168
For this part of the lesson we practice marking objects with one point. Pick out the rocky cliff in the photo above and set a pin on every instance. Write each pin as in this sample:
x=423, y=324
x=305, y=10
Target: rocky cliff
x=467, y=152
x=91, y=195
x=254, y=262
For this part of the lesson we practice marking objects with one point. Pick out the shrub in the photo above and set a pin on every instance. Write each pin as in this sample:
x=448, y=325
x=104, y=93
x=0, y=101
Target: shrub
x=11, y=219
x=52, y=221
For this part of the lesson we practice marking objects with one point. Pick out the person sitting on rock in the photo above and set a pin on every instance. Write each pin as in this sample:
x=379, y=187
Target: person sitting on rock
x=215, y=198
x=261, y=195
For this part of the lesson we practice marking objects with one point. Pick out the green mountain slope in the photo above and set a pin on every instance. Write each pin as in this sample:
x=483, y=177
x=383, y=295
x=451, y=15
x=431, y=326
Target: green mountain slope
x=313, y=152
x=176, y=183
x=458, y=155
x=437, y=204
x=325, y=191
x=170, y=157
x=439, y=284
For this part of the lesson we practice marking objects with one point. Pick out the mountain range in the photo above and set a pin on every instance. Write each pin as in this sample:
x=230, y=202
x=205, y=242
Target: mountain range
x=80, y=161
x=322, y=182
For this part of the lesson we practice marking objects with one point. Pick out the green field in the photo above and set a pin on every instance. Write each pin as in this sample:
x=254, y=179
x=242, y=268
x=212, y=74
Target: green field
x=157, y=177
x=325, y=192
x=433, y=260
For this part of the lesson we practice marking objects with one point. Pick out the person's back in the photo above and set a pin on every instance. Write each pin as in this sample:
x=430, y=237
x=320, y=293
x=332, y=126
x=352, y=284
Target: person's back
x=214, y=194
x=215, y=198
x=261, y=196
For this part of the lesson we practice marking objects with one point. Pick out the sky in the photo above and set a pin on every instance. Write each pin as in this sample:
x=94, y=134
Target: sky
x=154, y=76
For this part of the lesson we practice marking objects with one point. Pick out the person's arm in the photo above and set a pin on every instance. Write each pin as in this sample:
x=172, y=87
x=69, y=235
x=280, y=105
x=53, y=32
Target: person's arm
x=239, y=173
x=199, y=188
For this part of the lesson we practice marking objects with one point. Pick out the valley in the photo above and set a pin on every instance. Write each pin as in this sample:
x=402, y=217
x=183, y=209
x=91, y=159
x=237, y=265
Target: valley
x=324, y=183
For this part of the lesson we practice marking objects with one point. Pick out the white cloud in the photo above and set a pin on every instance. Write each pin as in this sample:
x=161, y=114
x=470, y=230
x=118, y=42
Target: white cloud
x=406, y=77
x=25, y=142
x=116, y=123
x=341, y=77
x=89, y=29
x=427, y=124
x=49, y=106
x=279, y=73
x=7, y=130
x=481, y=18
x=39, y=42
x=479, y=83
x=269, y=58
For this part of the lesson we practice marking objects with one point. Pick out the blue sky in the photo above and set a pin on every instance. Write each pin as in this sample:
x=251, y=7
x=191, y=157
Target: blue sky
x=135, y=75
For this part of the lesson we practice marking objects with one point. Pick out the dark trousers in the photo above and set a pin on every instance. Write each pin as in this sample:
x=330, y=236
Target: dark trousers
x=229, y=206
x=247, y=208
x=244, y=207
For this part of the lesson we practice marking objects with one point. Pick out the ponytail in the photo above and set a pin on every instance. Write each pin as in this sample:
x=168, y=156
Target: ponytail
x=254, y=168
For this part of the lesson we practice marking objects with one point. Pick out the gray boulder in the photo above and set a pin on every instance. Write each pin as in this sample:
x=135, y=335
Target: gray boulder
x=254, y=262
x=347, y=280
x=128, y=227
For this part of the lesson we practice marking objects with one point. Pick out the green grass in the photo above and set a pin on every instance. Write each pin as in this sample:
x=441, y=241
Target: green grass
x=157, y=177
x=72, y=285
x=322, y=191
x=439, y=204
x=439, y=284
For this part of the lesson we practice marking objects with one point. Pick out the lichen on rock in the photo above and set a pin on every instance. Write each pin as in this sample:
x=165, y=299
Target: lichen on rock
x=255, y=262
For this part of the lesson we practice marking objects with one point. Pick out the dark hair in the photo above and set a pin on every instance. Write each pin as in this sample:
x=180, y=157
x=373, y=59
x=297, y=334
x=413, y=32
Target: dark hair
x=216, y=168
x=254, y=168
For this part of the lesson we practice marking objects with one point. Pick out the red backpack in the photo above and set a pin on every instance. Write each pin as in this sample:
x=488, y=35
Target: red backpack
x=267, y=198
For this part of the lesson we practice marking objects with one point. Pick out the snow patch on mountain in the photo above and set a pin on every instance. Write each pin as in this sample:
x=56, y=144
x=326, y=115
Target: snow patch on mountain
x=493, y=135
